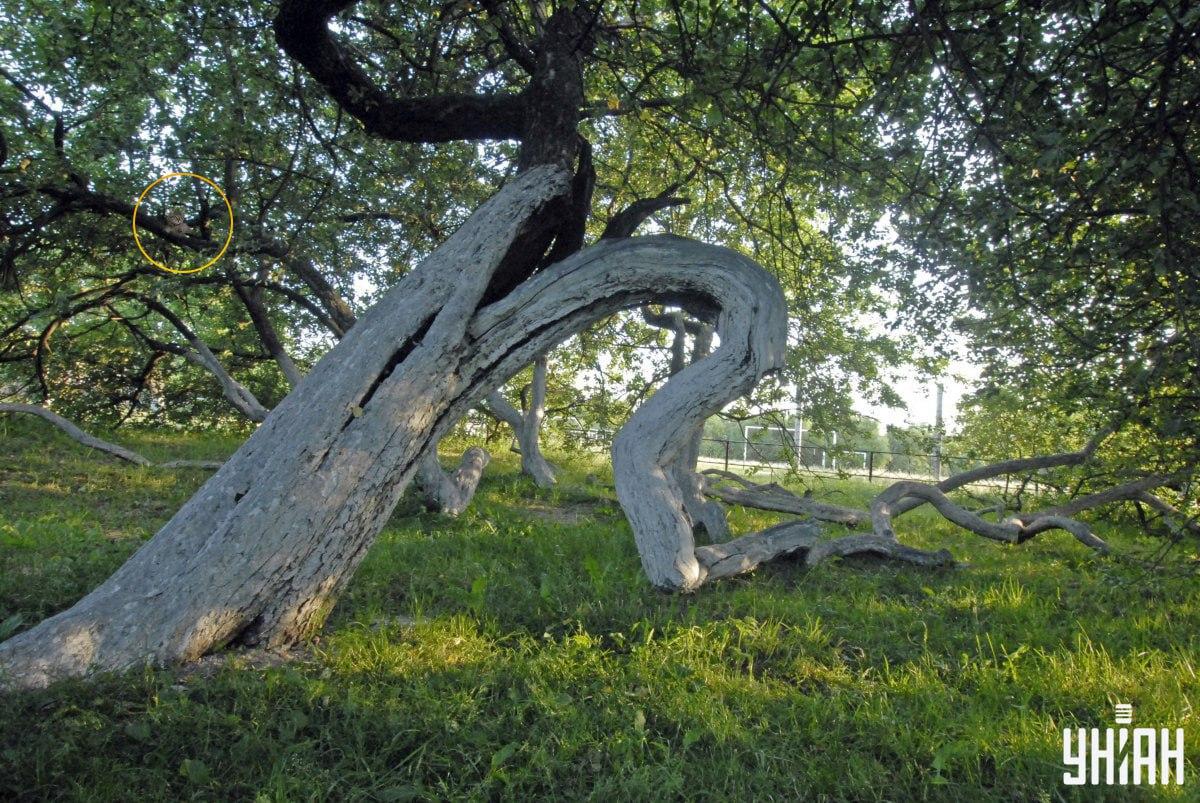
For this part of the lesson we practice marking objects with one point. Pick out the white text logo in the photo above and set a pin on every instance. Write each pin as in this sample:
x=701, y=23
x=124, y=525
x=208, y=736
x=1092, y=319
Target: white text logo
x=1123, y=755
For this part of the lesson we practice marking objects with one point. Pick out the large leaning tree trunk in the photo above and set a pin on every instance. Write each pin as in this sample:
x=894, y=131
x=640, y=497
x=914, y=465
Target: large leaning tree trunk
x=261, y=552
x=527, y=425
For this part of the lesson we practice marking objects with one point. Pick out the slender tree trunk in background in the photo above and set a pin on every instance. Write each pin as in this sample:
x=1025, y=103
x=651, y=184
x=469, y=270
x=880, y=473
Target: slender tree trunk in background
x=261, y=552
x=536, y=465
x=252, y=299
x=198, y=353
x=451, y=493
x=527, y=425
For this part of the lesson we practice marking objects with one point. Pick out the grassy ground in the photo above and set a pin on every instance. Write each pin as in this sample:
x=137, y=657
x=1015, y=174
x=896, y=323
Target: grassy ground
x=517, y=653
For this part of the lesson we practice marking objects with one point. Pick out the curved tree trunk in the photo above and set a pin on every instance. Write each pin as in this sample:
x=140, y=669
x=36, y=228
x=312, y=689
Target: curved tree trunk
x=260, y=553
x=706, y=515
x=263, y=548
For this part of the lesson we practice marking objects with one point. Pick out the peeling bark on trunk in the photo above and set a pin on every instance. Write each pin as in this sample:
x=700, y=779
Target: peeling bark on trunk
x=527, y=425
x=261, y=552
x=451, y=493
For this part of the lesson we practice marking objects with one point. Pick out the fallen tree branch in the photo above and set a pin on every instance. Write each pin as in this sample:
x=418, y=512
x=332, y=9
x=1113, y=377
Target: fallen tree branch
x=901, y=496
x=1170, y=511
x=1126, y=492
x=1019, y=465
x=1041, y=523
x=1013, y=530
x=746, y=553
x=873, y=544
x=882, y=510
x=774, y=497
x=93, y=442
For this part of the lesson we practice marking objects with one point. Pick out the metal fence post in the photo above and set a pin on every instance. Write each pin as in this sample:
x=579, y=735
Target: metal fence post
x=727, y=454
x=870, y=465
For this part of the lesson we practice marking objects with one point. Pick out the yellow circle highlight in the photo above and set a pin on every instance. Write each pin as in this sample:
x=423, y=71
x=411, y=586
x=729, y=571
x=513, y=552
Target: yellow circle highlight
x=142, y=197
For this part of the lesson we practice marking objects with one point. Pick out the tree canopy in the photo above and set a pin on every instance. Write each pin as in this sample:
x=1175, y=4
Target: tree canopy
x=1021, y=175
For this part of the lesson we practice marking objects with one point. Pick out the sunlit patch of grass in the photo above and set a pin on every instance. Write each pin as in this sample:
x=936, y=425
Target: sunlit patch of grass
x=517, y=652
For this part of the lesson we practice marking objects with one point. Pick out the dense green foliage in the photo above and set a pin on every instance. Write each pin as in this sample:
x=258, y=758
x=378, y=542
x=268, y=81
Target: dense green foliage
x=517, y=651
x=1026, y=173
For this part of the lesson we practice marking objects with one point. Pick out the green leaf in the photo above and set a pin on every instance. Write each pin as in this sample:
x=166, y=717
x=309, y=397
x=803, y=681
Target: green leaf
x=195, y=771
x=10, y=625
x=504, y=754
x=138, y=730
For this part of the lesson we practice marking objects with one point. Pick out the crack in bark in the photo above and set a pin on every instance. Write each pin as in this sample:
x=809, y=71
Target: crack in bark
x=397, y=357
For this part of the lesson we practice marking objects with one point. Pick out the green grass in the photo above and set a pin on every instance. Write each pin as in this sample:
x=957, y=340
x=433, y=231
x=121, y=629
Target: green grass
x=517, y=652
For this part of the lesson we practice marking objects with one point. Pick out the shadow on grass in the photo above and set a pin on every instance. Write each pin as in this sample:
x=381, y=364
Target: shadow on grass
x=542, y=665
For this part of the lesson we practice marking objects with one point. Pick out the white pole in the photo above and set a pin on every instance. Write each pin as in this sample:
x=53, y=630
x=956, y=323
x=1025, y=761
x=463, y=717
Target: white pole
x=937, y=436
x=798, y=434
